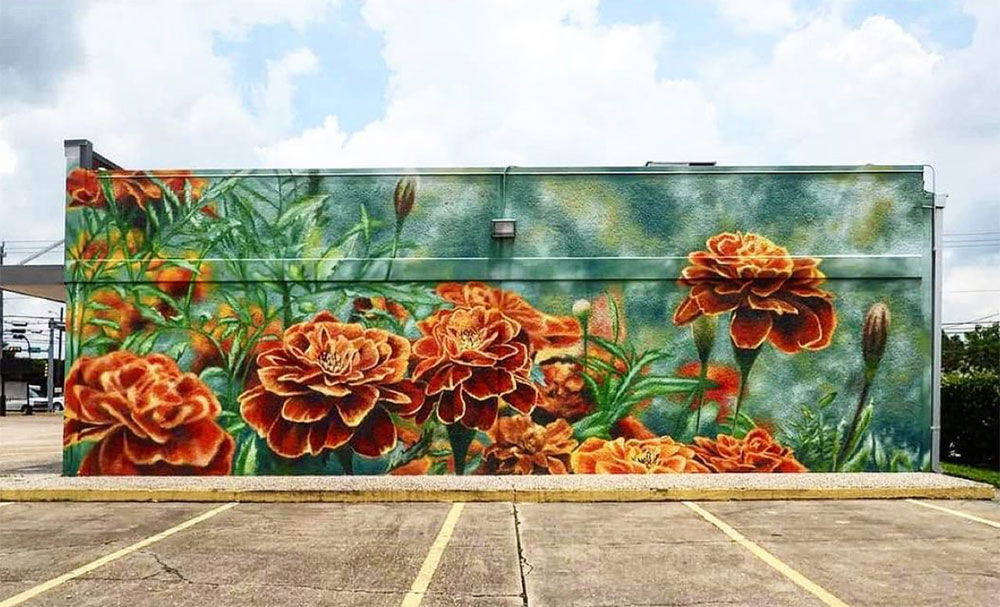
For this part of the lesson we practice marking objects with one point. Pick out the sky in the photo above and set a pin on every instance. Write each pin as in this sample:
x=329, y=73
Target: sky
x=347, y=83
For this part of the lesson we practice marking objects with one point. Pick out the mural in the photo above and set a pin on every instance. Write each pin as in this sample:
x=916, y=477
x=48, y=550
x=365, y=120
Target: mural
x=364, y=322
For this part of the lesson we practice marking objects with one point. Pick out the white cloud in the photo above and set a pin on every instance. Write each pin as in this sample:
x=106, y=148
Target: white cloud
x=513, y=83
x=148, y=87
x=758, y=16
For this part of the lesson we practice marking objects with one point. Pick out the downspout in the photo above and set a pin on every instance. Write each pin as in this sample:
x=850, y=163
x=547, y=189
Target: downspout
x=937, y=278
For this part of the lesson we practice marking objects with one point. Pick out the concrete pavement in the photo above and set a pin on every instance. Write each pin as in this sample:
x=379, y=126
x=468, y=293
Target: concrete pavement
x=860, y=553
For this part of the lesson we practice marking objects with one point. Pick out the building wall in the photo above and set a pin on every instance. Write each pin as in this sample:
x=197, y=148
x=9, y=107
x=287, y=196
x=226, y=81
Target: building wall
x=642, y=320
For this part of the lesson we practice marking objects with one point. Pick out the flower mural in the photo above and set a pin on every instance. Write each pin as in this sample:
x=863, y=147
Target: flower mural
x=146, y=416
x=330, y=384
x=258, y=324
x=771, y=295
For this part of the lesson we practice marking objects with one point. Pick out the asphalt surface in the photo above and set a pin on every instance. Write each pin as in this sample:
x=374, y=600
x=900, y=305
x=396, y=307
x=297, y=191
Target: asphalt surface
x=30, y=444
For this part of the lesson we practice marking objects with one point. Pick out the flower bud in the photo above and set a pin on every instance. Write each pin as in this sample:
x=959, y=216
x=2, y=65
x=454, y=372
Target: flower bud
x=703, y=330
x=874, y=335
x=404, y=196
x=581, y=308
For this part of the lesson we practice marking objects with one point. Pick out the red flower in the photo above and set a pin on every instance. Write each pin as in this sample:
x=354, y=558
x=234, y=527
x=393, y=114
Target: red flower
x=727, y=385
x=543, y=330
x=330, y=384
x=771, y=295
x=473, y=359
x=147, y=416
x=757, y=452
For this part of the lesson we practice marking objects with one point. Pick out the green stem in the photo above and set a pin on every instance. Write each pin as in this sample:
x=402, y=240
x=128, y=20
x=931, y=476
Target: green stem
x=745, y=359
x=862, y=401
x=460, y=438
x=702, y=376
x=395, y=249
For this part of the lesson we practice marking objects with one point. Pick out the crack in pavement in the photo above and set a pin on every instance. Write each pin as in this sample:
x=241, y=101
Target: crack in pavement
x=521, y=560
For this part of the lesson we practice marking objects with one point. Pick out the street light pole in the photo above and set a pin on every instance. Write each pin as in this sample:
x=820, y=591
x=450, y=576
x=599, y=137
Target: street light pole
x=3, y=382
x=50, y=379
x=27, y=389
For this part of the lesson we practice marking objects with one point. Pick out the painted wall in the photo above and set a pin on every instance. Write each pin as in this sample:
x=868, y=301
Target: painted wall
x=365, y=322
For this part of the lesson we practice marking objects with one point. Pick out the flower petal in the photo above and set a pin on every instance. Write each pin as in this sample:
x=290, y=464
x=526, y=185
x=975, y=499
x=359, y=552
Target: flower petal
x=354, y=407
x=307, y=408
x=749, y=328
x=376, y=436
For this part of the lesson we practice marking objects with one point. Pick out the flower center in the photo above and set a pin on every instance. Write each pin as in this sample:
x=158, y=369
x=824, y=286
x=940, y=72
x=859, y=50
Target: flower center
x=332, y=363
x=468, y=339
x=648, y=457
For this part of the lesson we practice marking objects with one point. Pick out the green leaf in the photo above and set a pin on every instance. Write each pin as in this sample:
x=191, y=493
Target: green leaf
x=300, y=212
x=857, y=463
x=863, y=423
x=826, y=400
x=612, y=348
x=246, y=460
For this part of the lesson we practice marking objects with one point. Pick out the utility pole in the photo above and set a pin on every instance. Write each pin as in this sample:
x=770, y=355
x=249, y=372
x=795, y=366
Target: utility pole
x=51, y=368
x=3, y=382
x=50, y=379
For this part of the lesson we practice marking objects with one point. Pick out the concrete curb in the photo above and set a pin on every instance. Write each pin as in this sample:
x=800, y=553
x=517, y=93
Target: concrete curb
x=43, y=488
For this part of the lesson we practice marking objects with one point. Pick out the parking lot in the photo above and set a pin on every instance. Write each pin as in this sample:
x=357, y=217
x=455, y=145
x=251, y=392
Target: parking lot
x=790, y=553
x=801, y=553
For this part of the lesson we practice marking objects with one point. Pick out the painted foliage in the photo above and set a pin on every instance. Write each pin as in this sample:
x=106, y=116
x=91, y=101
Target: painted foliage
x=367, y=323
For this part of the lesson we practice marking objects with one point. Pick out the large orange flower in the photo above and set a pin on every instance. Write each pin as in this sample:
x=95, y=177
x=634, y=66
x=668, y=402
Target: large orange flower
x=771, y=295
x=757, y=452
x=331, y=384
x=521, y=446
x=147, y=416
x=633, y=456
x=543, y=329
x=473, y=359
x=84, y=189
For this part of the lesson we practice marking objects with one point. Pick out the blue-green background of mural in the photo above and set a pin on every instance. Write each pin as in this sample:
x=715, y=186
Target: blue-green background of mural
x=161, y=262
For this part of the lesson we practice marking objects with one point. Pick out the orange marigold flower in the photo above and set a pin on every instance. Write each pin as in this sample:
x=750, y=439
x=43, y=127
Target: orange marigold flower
x=543, y=330
x=83, y=189
x=521, y=446
x=100, y=253
x=473, y=359
x=330, y=384
x=106, y=306
x=133, y=188
x=564, y=393
x=727, y=385
x=772, y=296
x=633, y=456
x=176, y=281
x=757, y=452
x=147, y=417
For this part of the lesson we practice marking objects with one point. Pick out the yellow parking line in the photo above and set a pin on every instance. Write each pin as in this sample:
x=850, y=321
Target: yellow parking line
x=768, y=558
x=957, y=513
x=416, y=594
x=31, y=593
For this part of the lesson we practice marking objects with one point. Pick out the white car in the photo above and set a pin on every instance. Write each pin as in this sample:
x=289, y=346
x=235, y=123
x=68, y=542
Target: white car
x=36, y=401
